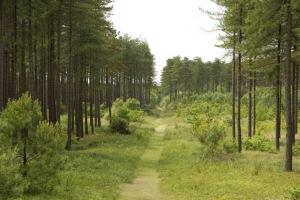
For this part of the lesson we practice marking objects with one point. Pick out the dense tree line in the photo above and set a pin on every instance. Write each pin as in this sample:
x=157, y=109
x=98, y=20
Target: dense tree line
x=66, y=53
x=184, y=77
x=263, y=39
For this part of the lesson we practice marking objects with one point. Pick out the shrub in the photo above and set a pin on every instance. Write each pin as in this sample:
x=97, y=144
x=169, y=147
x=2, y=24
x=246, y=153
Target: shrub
x=296, y=150
x=132, y=104
x=21, y=114
x=211, y=133
x=124, y=113
x=47, y=146
x=259, y=143
x=12, y=183
x=119, y=125
x=20, y=123
x=229, y=146
x=295, y=193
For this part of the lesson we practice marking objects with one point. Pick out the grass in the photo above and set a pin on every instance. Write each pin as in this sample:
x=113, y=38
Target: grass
x=98, y=164
x=250, y=175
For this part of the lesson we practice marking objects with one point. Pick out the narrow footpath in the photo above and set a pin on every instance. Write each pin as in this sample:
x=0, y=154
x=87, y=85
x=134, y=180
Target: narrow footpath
x=146, y=184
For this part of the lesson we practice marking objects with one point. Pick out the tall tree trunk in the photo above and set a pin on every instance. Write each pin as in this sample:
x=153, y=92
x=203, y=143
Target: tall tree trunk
x=1, y=56
x=91, y=93
x=70, y=79
x=22, y=77
x=289, y=125
x=30, y=50
x=254, y=104
x=42, y=82
x=233, y=87
x=239, y=84
x=278, y=91
x=293, y=100
x=250, y=105
x=296, y=98
x=51, y=73
x=13, y=76
x=58, y=52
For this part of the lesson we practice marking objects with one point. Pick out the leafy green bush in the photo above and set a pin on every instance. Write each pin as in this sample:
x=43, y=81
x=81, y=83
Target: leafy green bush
x=259, y=143
x=211, y=133
x=47, y=146
x=12, y=183
x=295, y=193
x=119, y=125
x=40, y=152
x=19, y=115
x=124, y=113
x=296, y=150
x=229, y=146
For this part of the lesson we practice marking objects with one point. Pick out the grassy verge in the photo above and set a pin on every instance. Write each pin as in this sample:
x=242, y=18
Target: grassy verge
x=250, y=175
x=98, y=164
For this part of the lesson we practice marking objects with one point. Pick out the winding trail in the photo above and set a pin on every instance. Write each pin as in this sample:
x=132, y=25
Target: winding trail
x=146, y=184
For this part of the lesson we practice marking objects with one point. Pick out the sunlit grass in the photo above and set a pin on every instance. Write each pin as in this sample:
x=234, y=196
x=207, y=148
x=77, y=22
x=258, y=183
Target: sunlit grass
x=250, y=175
x=98, y=164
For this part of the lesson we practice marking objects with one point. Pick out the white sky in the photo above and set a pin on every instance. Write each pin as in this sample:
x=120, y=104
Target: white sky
x=171, y=27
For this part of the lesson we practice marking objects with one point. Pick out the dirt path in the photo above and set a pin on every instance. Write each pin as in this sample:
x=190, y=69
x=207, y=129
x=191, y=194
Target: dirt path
x=146, y=185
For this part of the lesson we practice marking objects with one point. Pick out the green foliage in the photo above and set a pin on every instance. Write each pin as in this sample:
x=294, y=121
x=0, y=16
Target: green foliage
x=295, y=193
x=48, y=145
x=259, y=143
x=208, y=114
x=98, y=165
x=296, y=149
x=12, y=183
x=229, y=146
x=210, y=133
x=39, y=144
x=21, y=114
x=185, y=76
x=123, y=113
x=119, y=125
x=259, y=174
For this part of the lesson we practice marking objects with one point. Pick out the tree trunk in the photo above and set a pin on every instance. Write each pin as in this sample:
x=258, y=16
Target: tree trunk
x=239, y=84
x=1, y=57
x=289, y=125
x=13, y=76
x=254, y=104
x=233, y=87
x=30, y=49
x=250, y=105
x=278, y=91
x=91, y=94
x=22, y=77
x=70, y=79
x=51, y=73
x=58, y=74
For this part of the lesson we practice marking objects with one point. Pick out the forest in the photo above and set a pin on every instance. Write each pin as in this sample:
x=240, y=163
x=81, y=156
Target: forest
x=83, y=115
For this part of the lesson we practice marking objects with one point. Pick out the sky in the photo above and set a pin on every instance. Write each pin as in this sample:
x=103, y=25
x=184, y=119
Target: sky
x=171, y=27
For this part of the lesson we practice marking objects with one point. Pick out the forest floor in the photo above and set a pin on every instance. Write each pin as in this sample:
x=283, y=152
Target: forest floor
x=161, y=160
x=146, y=184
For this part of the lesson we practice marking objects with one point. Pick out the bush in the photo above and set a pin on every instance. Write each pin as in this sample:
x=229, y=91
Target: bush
x=48, y=147
x=124, y=113
x=295, y=193
x=211, y=133
x=229, y=146
x=259, y=143
x=296, y=150
x=19, y=115
x=12, y=183
x=20, y=123
x=119, y=125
